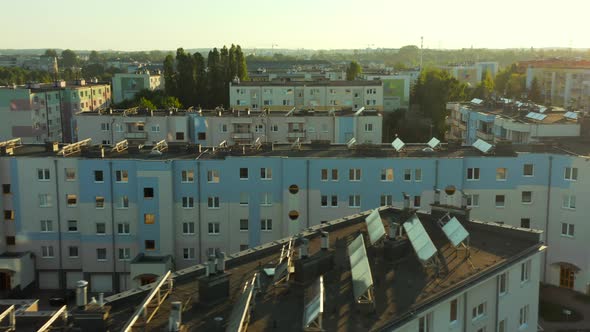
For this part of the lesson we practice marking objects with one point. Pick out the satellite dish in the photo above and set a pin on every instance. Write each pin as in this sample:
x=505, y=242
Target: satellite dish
x=450, y=190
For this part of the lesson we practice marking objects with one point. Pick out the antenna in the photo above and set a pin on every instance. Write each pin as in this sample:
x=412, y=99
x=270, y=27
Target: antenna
x=160, y=147
x=121, y=146
x=360, y=110
x=290, y=112
x=398, y=144
x=74, y=147
x=351, y=143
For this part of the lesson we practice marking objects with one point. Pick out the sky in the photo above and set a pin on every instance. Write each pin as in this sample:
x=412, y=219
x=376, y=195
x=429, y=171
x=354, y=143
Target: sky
x=133, y=25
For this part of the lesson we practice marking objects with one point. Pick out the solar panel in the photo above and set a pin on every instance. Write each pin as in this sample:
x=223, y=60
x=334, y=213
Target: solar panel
x=420, y=240
x=434, y=142
x=360, y=110
x=542, y=109
x=375, y=226
x=455, y=232
x=536, y=116
x=351, y=142
x=360, y=269
x=74, y=147
x=315, y=307
x=482, y=146
x=476, y=101
x=290, y=112
x=571, y=115
x=398, y=144
x=239, y=317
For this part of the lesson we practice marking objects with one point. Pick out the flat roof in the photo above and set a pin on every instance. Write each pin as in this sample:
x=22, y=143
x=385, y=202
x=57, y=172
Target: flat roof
x=51, y=86
x=226, y=113
x=518, y=112
x=312, y=83
x=402, y=286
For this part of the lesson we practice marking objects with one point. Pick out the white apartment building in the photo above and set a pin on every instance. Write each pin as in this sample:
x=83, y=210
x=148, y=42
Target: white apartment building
x=125, y=86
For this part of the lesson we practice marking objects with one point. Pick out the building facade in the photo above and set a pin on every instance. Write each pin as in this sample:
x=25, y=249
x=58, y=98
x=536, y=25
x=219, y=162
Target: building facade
x=396, y=90
x=125, y=86
x=472, y=73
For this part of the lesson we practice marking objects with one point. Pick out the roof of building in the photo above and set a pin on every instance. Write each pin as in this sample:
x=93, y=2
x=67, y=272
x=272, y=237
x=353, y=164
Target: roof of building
x=310, y=84
x=564, y=63
x=402, y=286
x=42, y=87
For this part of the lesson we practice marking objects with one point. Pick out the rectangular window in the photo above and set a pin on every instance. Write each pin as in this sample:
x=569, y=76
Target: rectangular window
x=472, y=174
x=324, y=200
x=567, y=229
x=188, y=253
x=213, y=202
x=244, y=199
x=243, y=224
x=149, y=218
x=386, y=200
x=72, y=225
x=454, y=311
x=417, y=200
x=525, y=222
x=99, y=202
x=188, y=228
x=98, y=176
x=9, y=214
x=478, y=311
x=243, y=173
x=121, y=176
x=266, y=173
x=73, y=252
x=179, y=136
x=6, y=188
x=43, y=174
x=46, y=226
x=472, y=200
x=425, y=323
x=188, y=202
x=101, y=254
x=101, y=228
x=354, y=201
x=570, y=174
x=70, y=174
x=266, y=199
x=223, y=128
x=501, y=174
x=213, y=228
x=387, y=174
x=155, y=128
x=334, y=174
x=324, y=174
x=266, y=224
x=503, y=283
x=569, y=201
x=407, y=174
x=523, y=319
x=274, y=128
x=123, y=202
x=500, y=200
x=123, y=228
x=334, y=201
x=10, y=240
x=368, y=127
x=124, y=254
x=527, y=197
x=418, y=174
x=354, y=174
x=187, y=176
x=148, y=193
x=72, y=200
x=213, y=176
x=150, y=244
x=525, y=271
x=528, y=170
x=47, y=251
x=45, y=200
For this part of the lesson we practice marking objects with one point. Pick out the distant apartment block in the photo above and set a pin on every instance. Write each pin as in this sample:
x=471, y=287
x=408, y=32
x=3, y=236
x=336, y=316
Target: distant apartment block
x=512, y=121
x=319, y=95
x=39, y=112
x=210, y=128
x=471, y=73
x=396, y=90
x=125, y=86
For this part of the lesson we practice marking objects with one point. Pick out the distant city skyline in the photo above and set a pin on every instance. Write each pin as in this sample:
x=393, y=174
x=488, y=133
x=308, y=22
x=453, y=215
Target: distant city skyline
x=134, y=25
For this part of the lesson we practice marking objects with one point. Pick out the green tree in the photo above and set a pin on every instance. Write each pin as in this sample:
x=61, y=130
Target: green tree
x=186, y=77
x=50, y=53
x=94, y=57
x=69, y=58
x=484, y=89
x=242, y=67
x=515, y=87
x=201, y=80
x=169, y=75
x=534, y=92
x=353, y=71
x=146, y=104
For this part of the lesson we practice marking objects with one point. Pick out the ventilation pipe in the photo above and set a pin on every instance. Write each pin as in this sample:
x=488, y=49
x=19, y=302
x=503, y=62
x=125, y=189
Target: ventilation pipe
x=101, y=299
x=175, y=319
x=220, y=261
x=406, y=201
x=81, y=293
x=325, y=236
x=210, y=266
x=304, y=248
x=437, y=196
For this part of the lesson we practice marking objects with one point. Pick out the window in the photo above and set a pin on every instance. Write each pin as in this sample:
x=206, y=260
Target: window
x=223, y=128
x=324, y=174
x=101, y=254
x=243, y=173
x=527, y=197
x=155, y=128
x=387, y=174
x=123, y=202
x=525, y=271
x=46, y=226
x=569, y=201
x=478, y=311
x=417, y=200
x=188, y=228
x=9, y=214
x=123, y=228
x=243, y=224
x=266, y=173
x=472, y=200
x=70, y=174
x=354, y=174
x=73, y=252
x=213, y=228
x=368, y=127
x=567, y=229
x=121, y=176
x=244, y=247
x=266, y=199
x=425, y=323
x=274, y=128
x=244, y=199
x=188, y=253
x=500, y=200
x=528, y=170
x=454, y=311
x=407, y=174
x=266, y=224
x=213, y=176
x=501, y=174
x=523, y=316
x=99, y=201
x=6, y=188
x=179, y=136
x=324, y=200
x=259, y=128
x=334, y=174
x=98, y=176
x=213, y=202
x=124, y=254
x=150, y=245
x=188, y=202
x=334, y=201
x=502, y=326
x=503, y=283
x=149, y=218
x=100, y=228
x=386, y=200
x=118, y=127
x=354, y=201
x=472, y=174
x=148, y=193
x=570, y=174
x=72, y=200
x=481, y=329
x=43, y=174
x=187, y=176
x=47, y=251
x=525, y=222
x=72, y=225
x=418, y=174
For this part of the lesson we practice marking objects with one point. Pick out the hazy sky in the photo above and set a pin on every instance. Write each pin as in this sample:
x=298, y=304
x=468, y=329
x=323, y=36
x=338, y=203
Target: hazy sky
x=316, y=24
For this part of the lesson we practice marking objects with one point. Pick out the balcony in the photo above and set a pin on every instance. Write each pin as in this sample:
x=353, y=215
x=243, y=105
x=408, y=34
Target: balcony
x=241, y=135
x=136, y=135
x=486, y=136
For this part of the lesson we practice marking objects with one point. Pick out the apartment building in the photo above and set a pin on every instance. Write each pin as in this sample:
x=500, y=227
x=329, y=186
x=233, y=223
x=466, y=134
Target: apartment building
x=506, y=120
x=319, y=95
x=396, y=90
x=212, y=127
x=471, y=73
x=125, y=86
x=40, y=112
x=92, y=212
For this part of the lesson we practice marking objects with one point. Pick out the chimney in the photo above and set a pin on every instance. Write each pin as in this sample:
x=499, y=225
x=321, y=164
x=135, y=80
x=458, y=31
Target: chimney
x=220, y=261
x=325, y=236
x=406, y=201
x=81, y=293
x=101, y=299
x=175, y=319
x=436, y=196
x=210, y=266
x=304, y=248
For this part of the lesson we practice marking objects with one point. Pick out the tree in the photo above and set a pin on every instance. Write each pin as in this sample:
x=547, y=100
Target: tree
x=201, y=97
x=484, y=89
x=534, y=92
x=146, y=104
x=353, y=71
x=169, y=75
x=50, y=53
x=515, y=87
x=93, y=57
x=242, y=67
x=69, y=58
x=186, y=77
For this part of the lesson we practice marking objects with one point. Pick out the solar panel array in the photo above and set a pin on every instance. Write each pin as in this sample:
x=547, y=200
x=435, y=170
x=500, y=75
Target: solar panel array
x=476, y=101
x=351, y=143
x=455, y=232
x=398, y=144
x=360, y=110
x=571, y=115
x=420, y=240
x=434, y=142
x=542, y=109
x=536, y=116
x=315, y=306
x=375, y=226
x=238, y=317
x=482, y=146
x=360, y=269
